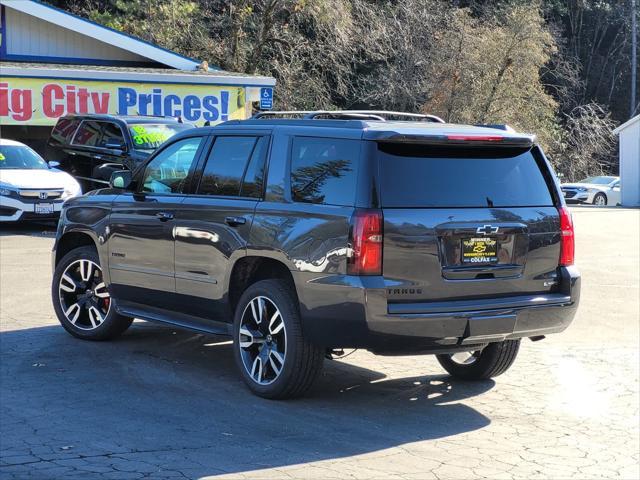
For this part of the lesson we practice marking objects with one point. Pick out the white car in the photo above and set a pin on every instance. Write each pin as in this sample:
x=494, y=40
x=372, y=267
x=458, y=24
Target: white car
x=31, y=189
x=602, y=190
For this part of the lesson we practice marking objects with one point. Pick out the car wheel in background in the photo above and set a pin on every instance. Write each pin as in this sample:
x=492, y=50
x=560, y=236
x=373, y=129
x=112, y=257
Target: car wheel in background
x=81, y=300
x=600, y=199
x=274, y=358
x=491, y=361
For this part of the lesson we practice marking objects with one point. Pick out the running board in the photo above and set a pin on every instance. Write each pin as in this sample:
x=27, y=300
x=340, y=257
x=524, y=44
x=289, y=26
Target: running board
x=176, y=319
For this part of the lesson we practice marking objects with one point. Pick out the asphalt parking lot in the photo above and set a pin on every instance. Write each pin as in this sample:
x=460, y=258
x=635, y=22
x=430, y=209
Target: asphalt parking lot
x=161, y=403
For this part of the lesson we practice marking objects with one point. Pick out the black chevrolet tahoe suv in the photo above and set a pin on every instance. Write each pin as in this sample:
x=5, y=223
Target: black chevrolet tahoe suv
x=303, y=237
x=91, y=147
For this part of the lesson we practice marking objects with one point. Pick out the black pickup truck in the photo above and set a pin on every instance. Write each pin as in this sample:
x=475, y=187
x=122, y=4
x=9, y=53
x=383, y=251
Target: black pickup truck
x=299, y=237
x=91, y=147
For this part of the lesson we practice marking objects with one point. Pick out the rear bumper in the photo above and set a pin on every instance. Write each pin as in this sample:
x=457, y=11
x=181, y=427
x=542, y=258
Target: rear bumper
x=352, y=312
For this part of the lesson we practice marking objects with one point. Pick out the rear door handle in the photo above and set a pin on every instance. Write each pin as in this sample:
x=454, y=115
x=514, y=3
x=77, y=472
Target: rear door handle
x=164, y=216
x=235, y=221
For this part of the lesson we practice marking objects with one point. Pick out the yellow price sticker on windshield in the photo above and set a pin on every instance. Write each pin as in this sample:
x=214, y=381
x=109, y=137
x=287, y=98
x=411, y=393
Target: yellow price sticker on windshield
x=143, y=136
x=2, y=157
x=150, y=138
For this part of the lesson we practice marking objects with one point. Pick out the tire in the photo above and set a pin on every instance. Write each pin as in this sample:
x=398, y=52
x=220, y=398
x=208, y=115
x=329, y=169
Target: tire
x=600, y=199
x=77, y=280
x=493, y=360
x=288, y=363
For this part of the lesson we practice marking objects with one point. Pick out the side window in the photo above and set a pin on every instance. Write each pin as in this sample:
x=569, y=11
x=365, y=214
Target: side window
x=324, y=170
x=111, y=135
x=253, y=182
x=169, y=170
x=88, y=134
x=64, y=130
x=226, y=165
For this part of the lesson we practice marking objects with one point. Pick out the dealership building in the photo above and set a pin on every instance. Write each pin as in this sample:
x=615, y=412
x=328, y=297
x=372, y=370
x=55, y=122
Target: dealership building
x=53, y=63
x=629, y=133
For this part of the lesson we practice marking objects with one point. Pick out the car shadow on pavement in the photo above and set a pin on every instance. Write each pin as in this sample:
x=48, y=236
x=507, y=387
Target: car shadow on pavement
x=30, y=229
x=174, y=400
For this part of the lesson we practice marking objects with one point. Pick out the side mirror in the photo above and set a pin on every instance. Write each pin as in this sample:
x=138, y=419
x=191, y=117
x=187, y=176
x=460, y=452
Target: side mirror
x=120, y=179
x=53, y=164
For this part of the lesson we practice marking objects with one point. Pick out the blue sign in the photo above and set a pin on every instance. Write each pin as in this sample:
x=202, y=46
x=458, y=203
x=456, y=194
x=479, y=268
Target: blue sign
x=266, y=98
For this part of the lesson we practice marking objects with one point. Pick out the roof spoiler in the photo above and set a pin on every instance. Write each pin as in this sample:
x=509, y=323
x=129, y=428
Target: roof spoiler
x=455, y=139
x=496, y=126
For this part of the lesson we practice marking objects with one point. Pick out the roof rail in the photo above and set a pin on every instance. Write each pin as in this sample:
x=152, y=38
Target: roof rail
x=378, y=115
x=282, y=113
x=343, y=115
x=383, y=115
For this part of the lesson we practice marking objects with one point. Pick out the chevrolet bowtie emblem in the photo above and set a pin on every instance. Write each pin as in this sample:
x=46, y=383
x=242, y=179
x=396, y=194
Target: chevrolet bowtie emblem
x=487, y=230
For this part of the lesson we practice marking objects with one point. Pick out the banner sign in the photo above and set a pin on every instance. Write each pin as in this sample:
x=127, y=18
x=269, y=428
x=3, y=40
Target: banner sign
x=41, y=101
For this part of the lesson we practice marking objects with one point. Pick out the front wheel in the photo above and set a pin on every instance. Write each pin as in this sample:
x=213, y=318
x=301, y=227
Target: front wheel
x=491, y=361
x=81, y=300
x=274, y=358
x=600, y=200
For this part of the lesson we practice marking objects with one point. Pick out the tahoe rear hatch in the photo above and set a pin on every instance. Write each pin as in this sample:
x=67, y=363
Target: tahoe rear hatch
x=467, y=222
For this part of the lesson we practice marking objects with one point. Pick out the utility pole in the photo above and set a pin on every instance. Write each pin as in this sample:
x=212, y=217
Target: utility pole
x=634, y=56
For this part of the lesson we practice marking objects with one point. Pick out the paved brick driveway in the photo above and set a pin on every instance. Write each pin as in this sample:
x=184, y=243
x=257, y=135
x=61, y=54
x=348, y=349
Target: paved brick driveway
x=164, y=404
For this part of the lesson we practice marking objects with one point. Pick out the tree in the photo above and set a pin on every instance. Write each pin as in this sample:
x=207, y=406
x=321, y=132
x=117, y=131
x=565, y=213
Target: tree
x=549, y=67
x=177, y=24
x=490, y=71
x=586, y=146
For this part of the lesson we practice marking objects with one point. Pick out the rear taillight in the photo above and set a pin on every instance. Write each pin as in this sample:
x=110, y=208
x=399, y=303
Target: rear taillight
x=366, y=243
x=567, y=238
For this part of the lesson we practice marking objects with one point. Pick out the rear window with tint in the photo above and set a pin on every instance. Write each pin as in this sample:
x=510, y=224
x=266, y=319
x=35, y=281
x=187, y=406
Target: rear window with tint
x=427, y=176
x=324, y=170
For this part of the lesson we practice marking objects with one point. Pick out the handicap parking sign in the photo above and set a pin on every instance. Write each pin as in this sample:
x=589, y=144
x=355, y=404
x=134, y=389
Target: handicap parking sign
x=266, y=98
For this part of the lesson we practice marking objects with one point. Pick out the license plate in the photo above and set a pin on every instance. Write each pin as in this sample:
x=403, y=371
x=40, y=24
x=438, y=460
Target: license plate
x=479, y=250
x=44, y=208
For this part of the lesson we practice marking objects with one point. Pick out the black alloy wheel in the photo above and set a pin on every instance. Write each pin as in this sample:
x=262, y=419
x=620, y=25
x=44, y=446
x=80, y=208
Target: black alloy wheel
x=275, y=359
x=263, y=340
x=84, y=298
x=81, y=298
